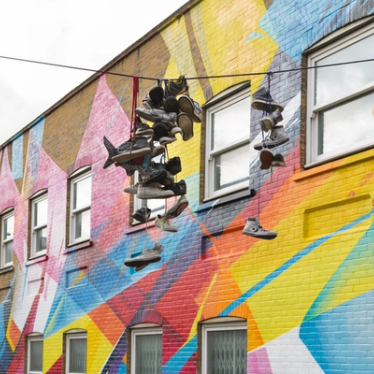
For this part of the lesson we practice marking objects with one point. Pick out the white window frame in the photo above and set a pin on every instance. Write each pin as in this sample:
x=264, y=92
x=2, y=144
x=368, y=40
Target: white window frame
x=224, y=324
x=234, y=94
x=312, y=157
x=34, y=228
x=4, y=217
x=74, y=212
x=31, y=339
x=71, y=336
x=137, y=331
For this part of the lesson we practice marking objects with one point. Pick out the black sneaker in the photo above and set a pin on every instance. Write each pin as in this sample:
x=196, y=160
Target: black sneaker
x=161, y=176
x=157, y=95
x=262, y=100
x=142, y=215
x=177, y=86
x=129, y=150
x=171, y=104
x=179, y=188
x=142, y=129
x=173, y=166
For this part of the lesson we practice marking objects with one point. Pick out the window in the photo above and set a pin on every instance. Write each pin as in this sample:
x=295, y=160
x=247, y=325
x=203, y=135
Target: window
x=80, y=208
x=227, y=144
x=341, y=98
x=35, y=354
x=39, y=218
x=7, y=232
x=146, y=351
x=76, y=353
x=224, y=348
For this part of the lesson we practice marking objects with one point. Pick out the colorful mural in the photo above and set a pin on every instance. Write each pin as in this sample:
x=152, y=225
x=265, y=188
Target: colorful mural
x=307, y=296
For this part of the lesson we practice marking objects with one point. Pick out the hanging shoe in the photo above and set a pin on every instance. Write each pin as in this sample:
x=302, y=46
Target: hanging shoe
x=142, y=215
x=267, y=123
x=157, y=115
x=132, y=189
x=179, y=206
x=277, y=137
x=142, y=129
x=160, y=129
x=262, y=100
x=278, y=160
x=156, y=94
x=131, y=149
x=173, y=166
x=162, y=223
x=165, y=140
x=266, y=158
x=149, y=256
x=186, y=124
x=161, y=176
x=253, y=228
x=153, y=192
x=192, y=108
x=177, y=86
x=159, y=249
x=171, y=104
x=179, y=188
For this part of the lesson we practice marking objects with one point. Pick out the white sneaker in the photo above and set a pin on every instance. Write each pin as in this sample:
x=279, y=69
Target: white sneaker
x=153, y=192
x=162, y=223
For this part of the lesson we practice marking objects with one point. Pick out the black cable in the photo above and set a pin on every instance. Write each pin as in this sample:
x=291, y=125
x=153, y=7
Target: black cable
x=190, y=78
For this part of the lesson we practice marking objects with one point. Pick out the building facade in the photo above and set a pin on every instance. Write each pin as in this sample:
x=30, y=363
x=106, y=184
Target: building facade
x=219, y=301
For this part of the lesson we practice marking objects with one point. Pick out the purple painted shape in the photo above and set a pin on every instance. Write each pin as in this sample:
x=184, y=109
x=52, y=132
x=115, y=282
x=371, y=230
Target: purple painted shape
x=258, y=362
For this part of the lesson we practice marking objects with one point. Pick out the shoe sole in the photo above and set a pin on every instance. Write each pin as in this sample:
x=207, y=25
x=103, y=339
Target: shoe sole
x=178, y=210
x=266, y=158
x=260, y=104
x=186, y=105
x=257, y=236
x=133, y=263
x=259, y=146
x=186, y=124
x=124, y=157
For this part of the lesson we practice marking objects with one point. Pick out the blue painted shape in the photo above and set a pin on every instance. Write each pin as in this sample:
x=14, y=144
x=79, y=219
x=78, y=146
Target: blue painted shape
x=17, y=157
x=308, y=22
x=336, y=340
x=36, y=140
x=179, y=360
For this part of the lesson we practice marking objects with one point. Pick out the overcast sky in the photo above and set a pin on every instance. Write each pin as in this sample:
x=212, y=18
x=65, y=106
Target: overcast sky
x=84, y=33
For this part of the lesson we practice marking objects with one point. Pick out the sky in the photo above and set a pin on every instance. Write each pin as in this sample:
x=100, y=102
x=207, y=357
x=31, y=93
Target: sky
x=82, y=33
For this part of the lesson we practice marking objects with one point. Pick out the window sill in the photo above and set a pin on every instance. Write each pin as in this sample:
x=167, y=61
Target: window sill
x=334, y=165
x=226, y=199
x=36, y=260
x=6, y=269
x=77, y=246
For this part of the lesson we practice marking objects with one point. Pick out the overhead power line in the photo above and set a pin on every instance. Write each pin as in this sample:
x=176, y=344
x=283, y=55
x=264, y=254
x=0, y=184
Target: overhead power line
x=188, y=78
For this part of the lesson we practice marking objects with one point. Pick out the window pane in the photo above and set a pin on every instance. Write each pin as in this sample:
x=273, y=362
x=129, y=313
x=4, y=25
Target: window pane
x=231, y=124
x=148, y=354
x=41, y=213
x=8, y=228
x=9, y=252
x=83, y=224
x=36, y=356
x=332, y=82
x=82, y=193
x=41, y=239
x=346, y=125
x=227, y=352
x=77, y=355
x=231, y=167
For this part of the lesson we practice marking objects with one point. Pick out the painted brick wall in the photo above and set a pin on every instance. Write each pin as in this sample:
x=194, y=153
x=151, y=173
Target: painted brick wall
x=307, y=296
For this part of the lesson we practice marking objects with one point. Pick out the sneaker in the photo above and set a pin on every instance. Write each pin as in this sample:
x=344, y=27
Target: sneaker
x=177, y=86
x=161, y=176
x=149, y=104
x=278, y=160
x=133, y=189
x=176, y=130
x=162, y=223
x=156, y=94
x=262, y=101
x=277, y=137
x=266, y=158
x=167, y=140
x=153, y=192
x=171, y=104
x=173, y=166
x=268, y=122
x=129, y=150
x=179, y=206
x=160, y=129
x=149, y=256
x=142, y=215
x=142, y=129
x=192, y=108
x=159, y=249
x=253, y=228
x=157, y=115
x=179, y=188
x=186, y=124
